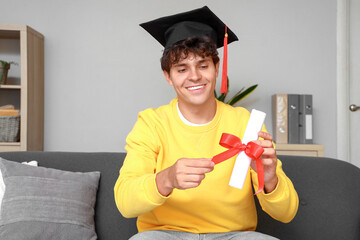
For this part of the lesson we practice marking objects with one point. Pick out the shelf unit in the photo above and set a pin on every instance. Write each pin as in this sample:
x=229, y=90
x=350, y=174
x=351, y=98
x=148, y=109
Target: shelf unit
x=314, y=150
x=28, y=95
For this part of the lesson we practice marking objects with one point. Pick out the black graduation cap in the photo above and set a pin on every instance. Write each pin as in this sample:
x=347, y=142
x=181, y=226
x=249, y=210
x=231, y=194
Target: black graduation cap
x=195, y=23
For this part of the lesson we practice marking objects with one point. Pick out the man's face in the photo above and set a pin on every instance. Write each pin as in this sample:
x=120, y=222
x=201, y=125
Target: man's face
x=194, y=79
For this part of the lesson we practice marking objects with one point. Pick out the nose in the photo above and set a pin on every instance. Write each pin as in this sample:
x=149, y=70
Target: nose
x=194, y=74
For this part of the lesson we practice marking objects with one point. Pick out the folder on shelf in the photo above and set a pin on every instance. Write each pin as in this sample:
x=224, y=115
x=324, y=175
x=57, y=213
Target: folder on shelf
x=305, y=119
x=280, y=118
x=293, y=118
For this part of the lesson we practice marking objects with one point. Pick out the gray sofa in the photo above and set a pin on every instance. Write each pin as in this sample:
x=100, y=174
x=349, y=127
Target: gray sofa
x=329, y=193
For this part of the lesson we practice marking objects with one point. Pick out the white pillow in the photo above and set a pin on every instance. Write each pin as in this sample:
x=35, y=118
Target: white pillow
x=2, y=184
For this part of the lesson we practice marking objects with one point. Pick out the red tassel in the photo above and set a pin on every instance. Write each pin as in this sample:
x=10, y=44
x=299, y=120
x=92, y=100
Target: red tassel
x=224, y=87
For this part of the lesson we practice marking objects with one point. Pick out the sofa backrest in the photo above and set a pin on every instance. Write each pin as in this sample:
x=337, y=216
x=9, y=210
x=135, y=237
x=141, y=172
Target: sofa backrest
x=328, y=189
x=108, y=221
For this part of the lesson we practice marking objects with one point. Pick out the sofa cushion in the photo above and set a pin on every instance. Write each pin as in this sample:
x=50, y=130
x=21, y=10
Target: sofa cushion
x=44, y=203
x=2, y=184
x=329, y=193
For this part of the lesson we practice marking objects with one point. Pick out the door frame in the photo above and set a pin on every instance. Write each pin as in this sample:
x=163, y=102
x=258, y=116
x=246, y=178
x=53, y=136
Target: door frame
x=343, y=80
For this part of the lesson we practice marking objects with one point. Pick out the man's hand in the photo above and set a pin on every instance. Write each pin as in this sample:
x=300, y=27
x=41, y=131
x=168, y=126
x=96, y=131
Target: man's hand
x=185, y=173
x=269, y=161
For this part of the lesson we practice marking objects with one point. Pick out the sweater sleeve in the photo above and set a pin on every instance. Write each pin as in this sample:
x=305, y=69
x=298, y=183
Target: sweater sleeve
x=282, y=203
x=135, y=190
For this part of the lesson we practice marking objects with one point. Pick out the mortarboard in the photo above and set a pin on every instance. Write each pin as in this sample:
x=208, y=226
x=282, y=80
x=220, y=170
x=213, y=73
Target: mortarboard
x=195, y=23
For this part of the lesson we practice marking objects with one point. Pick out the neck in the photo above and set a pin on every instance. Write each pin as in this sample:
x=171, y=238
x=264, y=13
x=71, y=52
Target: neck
x=198, y=114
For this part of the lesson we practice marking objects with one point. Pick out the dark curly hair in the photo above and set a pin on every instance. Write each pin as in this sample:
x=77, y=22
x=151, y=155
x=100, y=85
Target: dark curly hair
x=204, y=47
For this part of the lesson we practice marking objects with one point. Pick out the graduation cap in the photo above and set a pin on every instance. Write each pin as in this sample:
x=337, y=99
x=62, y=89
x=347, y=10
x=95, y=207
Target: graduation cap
x=195, y=23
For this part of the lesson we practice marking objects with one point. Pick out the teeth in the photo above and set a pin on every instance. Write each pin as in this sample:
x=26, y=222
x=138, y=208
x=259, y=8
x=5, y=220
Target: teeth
x=195, y=88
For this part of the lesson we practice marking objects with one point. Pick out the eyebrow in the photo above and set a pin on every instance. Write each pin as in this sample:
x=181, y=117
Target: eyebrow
x=204, y=60
x=198, y=62
x=180, y=65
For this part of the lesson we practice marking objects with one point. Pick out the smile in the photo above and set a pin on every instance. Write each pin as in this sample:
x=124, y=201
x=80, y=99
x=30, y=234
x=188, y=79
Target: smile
x=196, y=87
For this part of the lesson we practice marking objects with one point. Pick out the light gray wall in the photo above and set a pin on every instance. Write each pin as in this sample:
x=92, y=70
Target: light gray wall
x=101, y=68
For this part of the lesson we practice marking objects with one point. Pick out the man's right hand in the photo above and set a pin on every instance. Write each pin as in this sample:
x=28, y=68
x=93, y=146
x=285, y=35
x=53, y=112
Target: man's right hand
x=185, y=173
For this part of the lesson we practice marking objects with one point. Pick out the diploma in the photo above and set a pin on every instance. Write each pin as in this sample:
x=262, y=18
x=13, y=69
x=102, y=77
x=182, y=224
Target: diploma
x=242, y=163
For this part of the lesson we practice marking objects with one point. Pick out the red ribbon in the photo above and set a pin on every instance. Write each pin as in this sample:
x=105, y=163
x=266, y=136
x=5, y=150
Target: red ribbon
x=252, y=150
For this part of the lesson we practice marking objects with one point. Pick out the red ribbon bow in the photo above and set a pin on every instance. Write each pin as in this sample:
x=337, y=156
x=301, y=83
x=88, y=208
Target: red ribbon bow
x=252, y=150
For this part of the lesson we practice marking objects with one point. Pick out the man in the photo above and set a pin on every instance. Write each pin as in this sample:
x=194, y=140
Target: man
x=168, y=179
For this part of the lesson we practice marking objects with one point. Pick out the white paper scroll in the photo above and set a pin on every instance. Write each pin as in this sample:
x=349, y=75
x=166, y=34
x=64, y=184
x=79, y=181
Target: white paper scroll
x=242, y=162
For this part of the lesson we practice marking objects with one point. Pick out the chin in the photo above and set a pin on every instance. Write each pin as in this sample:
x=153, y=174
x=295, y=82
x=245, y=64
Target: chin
x=202, y=101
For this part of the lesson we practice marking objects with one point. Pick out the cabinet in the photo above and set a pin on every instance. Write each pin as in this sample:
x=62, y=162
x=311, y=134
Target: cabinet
x=26, y=91
x=314, y=150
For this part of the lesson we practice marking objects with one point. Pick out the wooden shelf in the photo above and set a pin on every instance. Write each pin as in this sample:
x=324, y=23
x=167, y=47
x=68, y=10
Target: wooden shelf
x=13, y=31
x=10, y=86
x=10, y=143
x=10, y=146
x=28, y=94
x=10, y=34
x=314, y=150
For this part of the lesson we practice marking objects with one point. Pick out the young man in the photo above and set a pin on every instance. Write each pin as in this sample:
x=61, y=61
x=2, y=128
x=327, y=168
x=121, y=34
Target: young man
x=168, y=179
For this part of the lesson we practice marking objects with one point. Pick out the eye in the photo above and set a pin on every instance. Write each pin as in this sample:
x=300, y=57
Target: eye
x=181, y=70
x=203, y=66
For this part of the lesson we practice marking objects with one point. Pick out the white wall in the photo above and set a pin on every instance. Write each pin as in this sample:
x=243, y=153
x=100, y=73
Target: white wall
x=101, y=68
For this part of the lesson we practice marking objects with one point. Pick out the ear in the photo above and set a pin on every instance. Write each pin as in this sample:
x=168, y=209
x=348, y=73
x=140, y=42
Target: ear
x=167, y=77
x=217, y=68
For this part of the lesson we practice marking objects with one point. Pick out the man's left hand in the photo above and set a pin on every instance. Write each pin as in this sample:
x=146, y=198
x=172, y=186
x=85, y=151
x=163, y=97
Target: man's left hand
x=269, y=161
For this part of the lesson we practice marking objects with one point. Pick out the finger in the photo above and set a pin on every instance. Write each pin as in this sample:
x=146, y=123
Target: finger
x=268, y=161
x=265, y=135
x=187, y=166
x=190, y=181
x=188, y=185
x=264, y=143
x=198, y=170
x=194, y=163
x=269, y=152
x=196, y=178
x=200, y=163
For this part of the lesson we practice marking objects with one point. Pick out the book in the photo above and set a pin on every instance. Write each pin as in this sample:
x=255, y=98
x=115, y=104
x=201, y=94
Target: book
x=7, y=107
x=305, y=119
x=293, y=118
x=280, y=118
x=9, y=112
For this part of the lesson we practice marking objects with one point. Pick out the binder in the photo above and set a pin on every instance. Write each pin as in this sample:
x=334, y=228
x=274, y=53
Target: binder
x=305, y=119
x=280, y=118
x=293, y=118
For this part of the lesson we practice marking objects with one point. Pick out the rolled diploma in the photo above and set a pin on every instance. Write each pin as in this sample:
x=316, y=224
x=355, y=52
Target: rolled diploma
x=242, y=162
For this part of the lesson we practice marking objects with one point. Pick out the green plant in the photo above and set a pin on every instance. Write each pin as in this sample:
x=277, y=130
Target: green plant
x=238, y=96
x=5, y=63
x=4, y=67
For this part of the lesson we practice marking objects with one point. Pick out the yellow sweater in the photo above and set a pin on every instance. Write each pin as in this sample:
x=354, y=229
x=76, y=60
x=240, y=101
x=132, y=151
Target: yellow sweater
x=158, y=139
